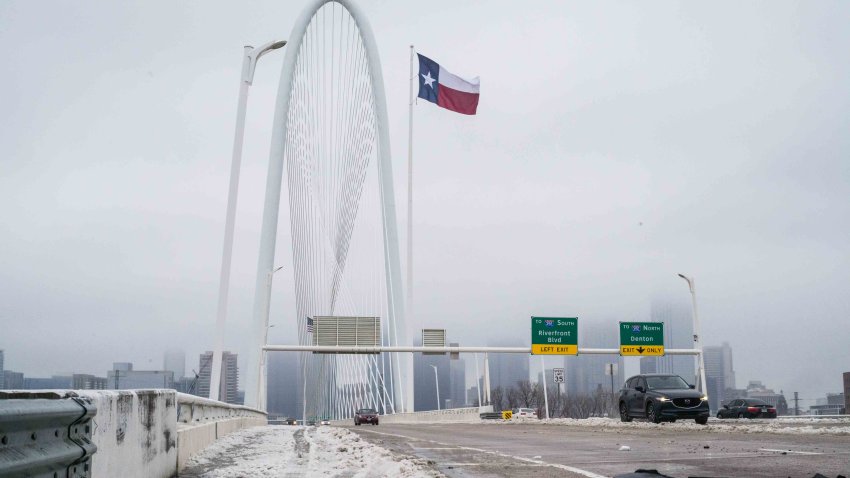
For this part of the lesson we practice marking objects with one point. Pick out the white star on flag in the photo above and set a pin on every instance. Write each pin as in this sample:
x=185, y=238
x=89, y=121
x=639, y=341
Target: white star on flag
x=428, y=80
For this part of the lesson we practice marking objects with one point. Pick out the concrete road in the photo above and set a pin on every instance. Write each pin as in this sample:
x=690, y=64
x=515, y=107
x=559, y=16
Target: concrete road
x=494, y=450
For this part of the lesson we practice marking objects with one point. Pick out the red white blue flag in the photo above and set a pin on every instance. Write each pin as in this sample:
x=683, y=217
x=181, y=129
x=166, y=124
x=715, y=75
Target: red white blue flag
x=438, y=85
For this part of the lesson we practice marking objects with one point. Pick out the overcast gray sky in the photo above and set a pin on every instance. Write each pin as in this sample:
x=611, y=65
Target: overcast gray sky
x=616, y=144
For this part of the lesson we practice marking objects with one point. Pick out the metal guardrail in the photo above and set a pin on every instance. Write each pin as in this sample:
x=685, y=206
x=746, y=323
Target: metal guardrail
x=194, y=409
x=43, y=437
x=490, y=415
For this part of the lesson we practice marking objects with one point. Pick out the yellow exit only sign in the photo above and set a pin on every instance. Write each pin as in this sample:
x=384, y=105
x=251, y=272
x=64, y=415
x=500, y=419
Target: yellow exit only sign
x=642, y=350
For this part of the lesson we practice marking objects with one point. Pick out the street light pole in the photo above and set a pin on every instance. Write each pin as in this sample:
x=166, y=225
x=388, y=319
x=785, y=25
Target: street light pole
x=437, y=381
x=262, y=383
x=249, y=64
x=478, y=382
x=700, y=365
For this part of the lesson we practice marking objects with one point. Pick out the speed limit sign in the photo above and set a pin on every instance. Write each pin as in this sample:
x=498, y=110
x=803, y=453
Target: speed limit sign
x=559, y=375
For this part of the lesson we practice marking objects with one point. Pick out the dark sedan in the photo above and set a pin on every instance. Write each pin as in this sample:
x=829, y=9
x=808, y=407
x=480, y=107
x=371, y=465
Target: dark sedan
x=747, y=408
x=366, y=415
x=658, y=397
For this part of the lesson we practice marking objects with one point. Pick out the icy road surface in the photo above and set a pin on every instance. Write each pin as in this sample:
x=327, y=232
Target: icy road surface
x=289, y=451
x=601, y=447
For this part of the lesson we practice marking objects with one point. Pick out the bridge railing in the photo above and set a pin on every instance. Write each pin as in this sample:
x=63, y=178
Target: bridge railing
x=194, y=409
x=201, y=421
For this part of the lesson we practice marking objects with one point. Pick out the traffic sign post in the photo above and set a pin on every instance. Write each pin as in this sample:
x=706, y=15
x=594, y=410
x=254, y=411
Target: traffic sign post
x=559, y=379
x=642, y=338
x=554, y=336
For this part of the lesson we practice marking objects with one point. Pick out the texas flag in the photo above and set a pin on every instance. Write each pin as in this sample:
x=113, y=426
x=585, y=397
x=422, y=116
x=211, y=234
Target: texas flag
x=438, y=85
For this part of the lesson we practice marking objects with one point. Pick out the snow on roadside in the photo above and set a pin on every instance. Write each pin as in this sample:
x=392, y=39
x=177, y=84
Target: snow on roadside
x=298, y=451
x=336, y=451
x=258, y=451
x=806, y=426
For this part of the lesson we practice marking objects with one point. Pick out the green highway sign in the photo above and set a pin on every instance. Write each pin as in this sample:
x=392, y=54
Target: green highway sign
x=554, y=335
x=642, y=338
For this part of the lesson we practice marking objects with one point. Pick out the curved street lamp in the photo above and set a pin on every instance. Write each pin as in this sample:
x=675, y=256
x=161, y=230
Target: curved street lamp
x=437, y=381
x=262, y=385
x=249, y=64
x=700, y=366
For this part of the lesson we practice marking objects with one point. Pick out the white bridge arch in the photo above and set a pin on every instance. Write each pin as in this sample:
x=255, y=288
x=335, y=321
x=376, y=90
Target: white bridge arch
x=331, y=132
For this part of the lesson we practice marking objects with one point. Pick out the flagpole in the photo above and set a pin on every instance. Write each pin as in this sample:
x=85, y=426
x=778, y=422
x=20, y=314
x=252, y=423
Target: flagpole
x=410, y=195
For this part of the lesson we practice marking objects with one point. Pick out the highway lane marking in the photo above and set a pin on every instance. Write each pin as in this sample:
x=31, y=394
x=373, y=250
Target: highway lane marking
x=435, y=448
x=572, y=469
x=792, y=451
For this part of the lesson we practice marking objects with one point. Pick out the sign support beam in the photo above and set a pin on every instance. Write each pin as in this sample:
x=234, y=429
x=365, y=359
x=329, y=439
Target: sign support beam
x=447, y=349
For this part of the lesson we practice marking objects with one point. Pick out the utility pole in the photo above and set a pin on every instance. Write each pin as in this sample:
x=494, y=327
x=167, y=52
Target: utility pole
x=796, y=404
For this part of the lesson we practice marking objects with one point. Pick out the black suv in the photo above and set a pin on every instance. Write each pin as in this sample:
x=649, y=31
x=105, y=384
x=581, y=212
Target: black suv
x=659, y=397
x=366, y=415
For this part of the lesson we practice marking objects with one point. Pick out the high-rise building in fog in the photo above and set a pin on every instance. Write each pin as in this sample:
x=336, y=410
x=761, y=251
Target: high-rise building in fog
x=719, y=373
x=283, y=399
x=846, y=377
x=13, y=380
x=83, y=381
x=648, y=365
x=507, y=369
x=54, y=382
x=450, y=373
x=425, y=381
x=175, y=361
x=678, y=334
x=123, y=377
x=229, y=384
x=2, y=384
x=457, y=384
x=585, y=374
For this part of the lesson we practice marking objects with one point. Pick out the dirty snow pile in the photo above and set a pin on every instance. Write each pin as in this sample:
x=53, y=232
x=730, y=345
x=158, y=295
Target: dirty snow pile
x=796, y=426
x=299, y=451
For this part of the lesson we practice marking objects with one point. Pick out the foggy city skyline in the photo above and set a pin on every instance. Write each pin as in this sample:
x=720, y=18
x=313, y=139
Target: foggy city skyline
x=615, y=146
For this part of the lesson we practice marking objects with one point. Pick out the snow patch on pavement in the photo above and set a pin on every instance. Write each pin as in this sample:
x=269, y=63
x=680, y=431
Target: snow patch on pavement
x=299, y=451
x=795, y=426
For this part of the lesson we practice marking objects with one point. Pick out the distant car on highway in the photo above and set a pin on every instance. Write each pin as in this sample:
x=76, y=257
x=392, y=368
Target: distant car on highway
x=524, y=413
x=325, y=422
x=658, y=397
x=366, y=415
x=747, y=408
x=290, y=421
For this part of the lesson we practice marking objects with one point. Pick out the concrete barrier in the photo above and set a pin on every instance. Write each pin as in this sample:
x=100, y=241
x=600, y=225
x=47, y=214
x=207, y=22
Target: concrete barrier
x=135, y=432
x=449, y=415
x=152, y=433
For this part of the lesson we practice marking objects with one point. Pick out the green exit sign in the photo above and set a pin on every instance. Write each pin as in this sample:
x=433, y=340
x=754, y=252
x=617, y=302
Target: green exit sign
x=642, y=338
x=554, y=335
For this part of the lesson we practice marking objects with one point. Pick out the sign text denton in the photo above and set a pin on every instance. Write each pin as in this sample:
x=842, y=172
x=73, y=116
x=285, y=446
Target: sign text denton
x=646, y=328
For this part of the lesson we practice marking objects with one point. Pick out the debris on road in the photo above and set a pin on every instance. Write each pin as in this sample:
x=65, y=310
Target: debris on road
x=625, y=448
